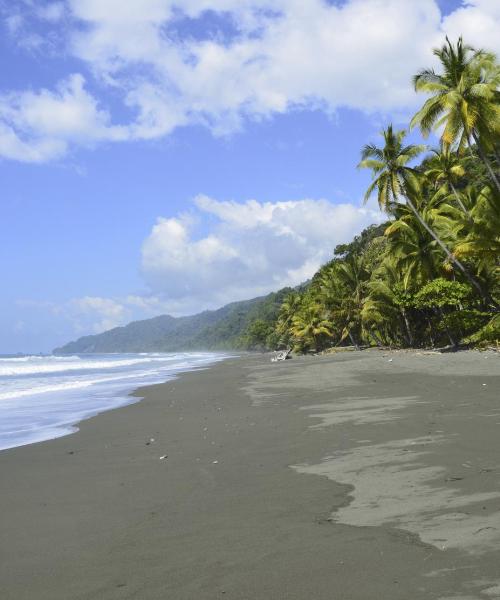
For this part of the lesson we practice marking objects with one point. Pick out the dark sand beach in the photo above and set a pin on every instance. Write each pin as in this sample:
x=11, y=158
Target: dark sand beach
x=357, y=476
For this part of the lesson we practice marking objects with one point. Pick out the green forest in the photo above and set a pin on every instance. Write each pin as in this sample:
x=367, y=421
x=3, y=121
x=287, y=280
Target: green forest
x=430, y=275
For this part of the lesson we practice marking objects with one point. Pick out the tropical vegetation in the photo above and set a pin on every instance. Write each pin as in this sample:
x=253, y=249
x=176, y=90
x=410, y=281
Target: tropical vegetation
x=430, y=274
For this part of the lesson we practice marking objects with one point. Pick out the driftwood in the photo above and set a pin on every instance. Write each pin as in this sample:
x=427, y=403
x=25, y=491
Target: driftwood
x=281, y=355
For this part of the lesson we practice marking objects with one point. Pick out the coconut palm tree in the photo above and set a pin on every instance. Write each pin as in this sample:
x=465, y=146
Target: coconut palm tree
x=390, y=166
x=290, y=306
x=445, y=168
x=343, y=288
x=413, y=252
x=395, y=180
x=309, y=325
x=483, y=240
x=288, y=309
x=385, y=307
x=464, y=100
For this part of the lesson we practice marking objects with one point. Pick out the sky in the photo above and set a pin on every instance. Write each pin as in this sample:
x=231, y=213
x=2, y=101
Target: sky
x=167, y=156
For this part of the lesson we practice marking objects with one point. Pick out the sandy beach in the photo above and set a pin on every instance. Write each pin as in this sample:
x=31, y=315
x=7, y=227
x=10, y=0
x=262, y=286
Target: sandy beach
x=356, y=476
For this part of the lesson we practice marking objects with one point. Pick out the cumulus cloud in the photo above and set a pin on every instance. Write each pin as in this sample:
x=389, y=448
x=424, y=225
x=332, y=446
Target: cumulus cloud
x=36, y=127
x=222, y=62
x=250, y=249
x=103, y=313
x=220, y=252
x=478, y=21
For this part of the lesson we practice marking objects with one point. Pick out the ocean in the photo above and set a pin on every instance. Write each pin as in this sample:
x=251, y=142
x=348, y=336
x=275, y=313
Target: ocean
x=43, y=397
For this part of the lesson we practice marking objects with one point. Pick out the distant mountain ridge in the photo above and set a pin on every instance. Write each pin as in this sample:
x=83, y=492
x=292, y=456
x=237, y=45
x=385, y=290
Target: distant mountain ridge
x=221, y=329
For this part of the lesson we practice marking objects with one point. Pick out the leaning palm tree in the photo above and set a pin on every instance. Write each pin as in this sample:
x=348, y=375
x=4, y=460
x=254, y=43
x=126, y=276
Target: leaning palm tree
x=445, y=168
x=463, y=101
x=394, y=180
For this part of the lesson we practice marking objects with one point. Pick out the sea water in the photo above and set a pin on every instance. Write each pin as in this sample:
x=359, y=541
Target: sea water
x=43, y=397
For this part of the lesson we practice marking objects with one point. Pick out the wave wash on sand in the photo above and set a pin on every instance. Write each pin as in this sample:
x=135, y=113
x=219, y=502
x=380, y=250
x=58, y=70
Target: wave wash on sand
x=42, y=397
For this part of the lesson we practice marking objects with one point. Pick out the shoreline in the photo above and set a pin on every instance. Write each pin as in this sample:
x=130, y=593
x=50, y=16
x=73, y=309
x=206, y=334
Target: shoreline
x=64, y=415
x=234, y=511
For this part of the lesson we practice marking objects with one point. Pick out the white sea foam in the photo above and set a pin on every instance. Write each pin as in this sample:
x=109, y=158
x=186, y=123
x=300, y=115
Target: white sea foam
x=42, y=397
x=37, y=364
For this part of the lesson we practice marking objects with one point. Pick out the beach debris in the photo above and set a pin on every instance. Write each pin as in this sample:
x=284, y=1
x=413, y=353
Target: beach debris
x=164, y=457
x=281, y=355
x=215, y=462
x=150, y=441
x=390, y=360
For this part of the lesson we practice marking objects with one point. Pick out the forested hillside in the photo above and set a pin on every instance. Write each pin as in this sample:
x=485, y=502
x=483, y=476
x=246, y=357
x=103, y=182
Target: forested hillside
x=226, y=328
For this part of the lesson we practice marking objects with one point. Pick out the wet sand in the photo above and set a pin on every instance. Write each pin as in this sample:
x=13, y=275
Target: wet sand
x=358, y=476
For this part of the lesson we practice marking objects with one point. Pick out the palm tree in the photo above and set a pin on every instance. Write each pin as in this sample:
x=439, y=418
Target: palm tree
x=412, y=249
x=394, y=179
x=464, y=100
x=445, y=168
x=288, y=309
x=387, y=301
x=342, y=287
x=483, y=241
x=389, y=166
x=310, y=325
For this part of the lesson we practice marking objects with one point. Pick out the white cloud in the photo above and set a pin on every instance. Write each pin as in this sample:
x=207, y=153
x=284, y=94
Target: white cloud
x=478, y=22
x=245, y=250
x=96, y=313
x=266, y=57
x=36, y=127
x=251, y=249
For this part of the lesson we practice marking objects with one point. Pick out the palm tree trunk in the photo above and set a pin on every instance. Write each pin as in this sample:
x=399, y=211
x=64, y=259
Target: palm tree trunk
x=353, y=341
x=449, y=255
x=448, y=333
x=459, y=200
x=497, y=154
x=484, y=158
x=407, y=325
x=433, y=343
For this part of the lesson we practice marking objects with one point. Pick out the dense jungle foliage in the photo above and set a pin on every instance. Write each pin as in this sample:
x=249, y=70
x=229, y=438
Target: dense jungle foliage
x=430, y=275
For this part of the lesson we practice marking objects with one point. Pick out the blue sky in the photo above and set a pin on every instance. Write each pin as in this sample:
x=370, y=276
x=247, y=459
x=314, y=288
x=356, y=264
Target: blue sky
x=172, y=157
